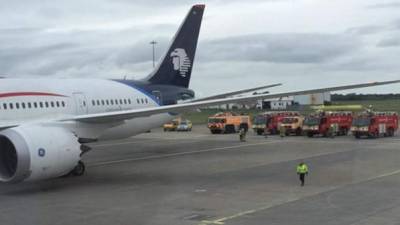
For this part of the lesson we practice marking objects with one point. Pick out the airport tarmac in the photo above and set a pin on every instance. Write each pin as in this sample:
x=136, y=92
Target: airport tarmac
x=197, y=178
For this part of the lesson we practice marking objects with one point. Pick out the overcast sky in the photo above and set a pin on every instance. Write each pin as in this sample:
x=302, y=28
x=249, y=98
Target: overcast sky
x=301, y=43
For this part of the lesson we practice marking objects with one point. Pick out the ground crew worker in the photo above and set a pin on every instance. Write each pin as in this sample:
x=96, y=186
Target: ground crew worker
x=242, y=134
x=302, y=171
x=333, y=129
x=282, y=131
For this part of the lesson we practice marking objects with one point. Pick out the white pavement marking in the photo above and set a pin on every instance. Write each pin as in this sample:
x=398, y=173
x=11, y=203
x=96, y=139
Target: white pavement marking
x=144, y=141
x=177, y=154
x=222, y=220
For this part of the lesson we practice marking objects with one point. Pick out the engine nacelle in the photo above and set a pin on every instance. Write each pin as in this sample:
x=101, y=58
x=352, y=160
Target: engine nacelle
x=35, y=153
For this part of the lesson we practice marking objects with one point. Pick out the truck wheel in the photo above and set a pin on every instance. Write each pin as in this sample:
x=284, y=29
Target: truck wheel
x=230, y=129
x=310, y=134
x=260, y=132
x=390, y=132
x=298, y=132
x=357, y=135
x=375, y=134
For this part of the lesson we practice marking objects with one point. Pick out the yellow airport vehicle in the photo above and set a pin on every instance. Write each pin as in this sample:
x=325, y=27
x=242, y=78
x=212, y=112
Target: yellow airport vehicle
x=171, y=126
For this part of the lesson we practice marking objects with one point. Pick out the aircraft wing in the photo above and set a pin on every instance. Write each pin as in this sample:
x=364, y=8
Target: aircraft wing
x=130, y=114
x=228, y=94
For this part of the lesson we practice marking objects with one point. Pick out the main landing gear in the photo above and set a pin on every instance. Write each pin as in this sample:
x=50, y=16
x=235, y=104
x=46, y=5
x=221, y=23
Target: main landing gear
x=79, y=169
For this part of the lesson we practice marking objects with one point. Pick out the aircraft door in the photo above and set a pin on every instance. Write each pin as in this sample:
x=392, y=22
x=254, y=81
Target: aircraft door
x=81, y=105
x=158, y=96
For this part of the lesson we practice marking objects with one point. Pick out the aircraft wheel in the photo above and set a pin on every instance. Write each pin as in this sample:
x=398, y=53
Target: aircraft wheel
x=79, y=169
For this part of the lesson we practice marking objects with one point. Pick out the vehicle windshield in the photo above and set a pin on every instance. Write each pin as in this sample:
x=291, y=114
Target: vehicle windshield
x=260, y=120
x=216, y=120
x=183, y=123
x=290, y=120
x=362, y=121
x=312, y=121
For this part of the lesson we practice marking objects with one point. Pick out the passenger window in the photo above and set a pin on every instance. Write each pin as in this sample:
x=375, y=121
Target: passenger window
x=125, y=102
x=63, y=103
x=11, y=106
x=17, y=105
x=112, y=102
x=137, y=101
x=29, y=105
x=35, y=104
x=98, y=102
x=129, y=101
x=46, y=104
x=147, y=101
x=41, y=104
x=84, y=103
x=23, y=105
x=102, y=102
x=107, y=102
x=57, y=104
x=52, y=104
x=4, y=105
x=142, y=100
x=120, y=101
x=116, y=101
x=93, y=103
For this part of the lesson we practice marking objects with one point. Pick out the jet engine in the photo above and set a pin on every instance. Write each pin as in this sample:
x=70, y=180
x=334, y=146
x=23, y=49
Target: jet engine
x=29, y=153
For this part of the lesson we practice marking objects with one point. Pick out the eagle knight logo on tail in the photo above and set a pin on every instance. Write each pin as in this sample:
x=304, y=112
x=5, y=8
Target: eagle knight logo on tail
x=181, y=61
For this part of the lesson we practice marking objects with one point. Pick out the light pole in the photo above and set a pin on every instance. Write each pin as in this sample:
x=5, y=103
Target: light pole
x=153, y=43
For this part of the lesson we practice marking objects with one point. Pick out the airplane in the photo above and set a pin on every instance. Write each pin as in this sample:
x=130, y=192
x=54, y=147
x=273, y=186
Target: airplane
x=46, y=123
x=233, y=93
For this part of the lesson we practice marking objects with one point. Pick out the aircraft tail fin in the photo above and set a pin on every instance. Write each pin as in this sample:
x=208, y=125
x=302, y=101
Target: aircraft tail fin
x=175, y=68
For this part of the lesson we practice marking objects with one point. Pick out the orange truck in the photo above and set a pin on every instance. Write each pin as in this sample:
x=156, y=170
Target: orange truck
x=228, y=123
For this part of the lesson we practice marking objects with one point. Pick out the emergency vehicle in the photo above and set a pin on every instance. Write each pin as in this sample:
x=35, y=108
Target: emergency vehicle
x=293, y=125
x=228, y=123
x=270, y=121
x=375, y=124
x=328, y=123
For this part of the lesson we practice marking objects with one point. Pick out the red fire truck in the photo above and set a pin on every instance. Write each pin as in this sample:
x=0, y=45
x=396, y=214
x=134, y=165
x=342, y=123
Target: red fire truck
x=270, y=121
x=375, y=124
x=328, y=123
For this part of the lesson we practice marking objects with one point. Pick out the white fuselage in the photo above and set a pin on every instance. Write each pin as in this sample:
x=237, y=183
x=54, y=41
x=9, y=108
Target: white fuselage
x=35, y=100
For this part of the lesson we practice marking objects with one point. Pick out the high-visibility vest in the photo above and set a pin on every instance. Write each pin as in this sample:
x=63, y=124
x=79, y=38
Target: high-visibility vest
x=302, y=168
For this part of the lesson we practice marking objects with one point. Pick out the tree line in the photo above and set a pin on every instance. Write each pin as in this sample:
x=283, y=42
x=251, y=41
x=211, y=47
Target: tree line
x=358, y=97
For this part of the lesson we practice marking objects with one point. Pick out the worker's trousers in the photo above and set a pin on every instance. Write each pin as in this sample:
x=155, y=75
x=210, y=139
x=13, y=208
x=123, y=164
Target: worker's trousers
x=302, y=178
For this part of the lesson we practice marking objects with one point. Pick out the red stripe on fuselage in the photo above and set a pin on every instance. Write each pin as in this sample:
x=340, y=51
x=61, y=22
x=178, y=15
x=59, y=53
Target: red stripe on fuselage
x=18, y=94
